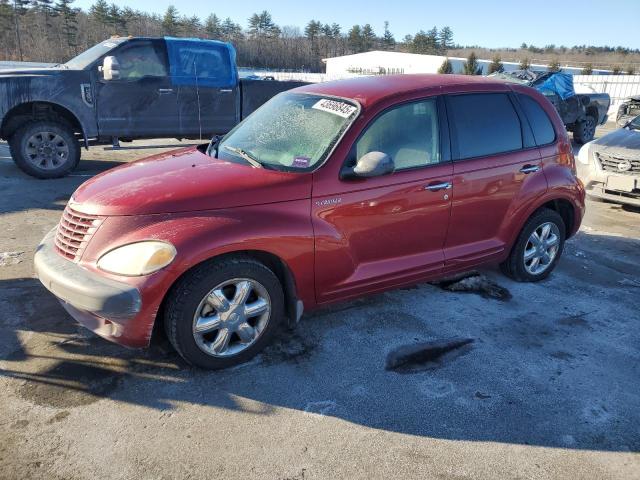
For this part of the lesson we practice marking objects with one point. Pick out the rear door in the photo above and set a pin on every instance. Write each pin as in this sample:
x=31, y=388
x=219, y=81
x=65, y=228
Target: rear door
x=497, y=171
x=378, y=232
x=142, y=102
x=206, y=84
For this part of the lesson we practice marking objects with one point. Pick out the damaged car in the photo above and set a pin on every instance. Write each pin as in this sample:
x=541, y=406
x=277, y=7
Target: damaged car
x=609, y=167
x=326, y=193
x=581, y=113
x=628, y=110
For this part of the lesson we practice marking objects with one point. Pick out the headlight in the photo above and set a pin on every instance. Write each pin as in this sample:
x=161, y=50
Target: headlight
x=141, y=258
x=584, y=155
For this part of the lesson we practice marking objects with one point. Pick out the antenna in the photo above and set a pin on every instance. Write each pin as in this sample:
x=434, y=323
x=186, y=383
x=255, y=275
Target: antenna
x=195, y=69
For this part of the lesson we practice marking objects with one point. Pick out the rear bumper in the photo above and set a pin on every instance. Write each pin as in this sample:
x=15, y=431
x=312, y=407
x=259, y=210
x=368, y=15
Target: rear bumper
x=105, y=306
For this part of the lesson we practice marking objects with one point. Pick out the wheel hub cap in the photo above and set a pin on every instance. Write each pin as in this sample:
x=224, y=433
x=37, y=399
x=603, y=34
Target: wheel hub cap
x=46, y=150
x=541, y=248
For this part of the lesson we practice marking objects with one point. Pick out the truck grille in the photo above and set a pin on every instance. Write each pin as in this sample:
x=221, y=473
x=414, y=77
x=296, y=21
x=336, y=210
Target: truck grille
x=610, y=163
x=74, y=232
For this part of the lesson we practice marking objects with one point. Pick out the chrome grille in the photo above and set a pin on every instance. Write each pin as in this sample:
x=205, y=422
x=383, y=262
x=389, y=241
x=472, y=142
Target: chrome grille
x=609, y=163
x=74, y=232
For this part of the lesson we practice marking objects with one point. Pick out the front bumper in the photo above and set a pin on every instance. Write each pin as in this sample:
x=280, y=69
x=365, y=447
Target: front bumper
x=597, y=185
x=101, y=304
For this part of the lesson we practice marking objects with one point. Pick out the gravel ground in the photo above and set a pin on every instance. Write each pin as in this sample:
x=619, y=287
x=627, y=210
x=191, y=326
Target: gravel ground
x=547, y=389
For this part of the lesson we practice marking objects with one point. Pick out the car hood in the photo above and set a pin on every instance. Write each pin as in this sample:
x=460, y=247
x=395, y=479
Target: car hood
x=37, y=71
x=622, y=141
x=183, y=181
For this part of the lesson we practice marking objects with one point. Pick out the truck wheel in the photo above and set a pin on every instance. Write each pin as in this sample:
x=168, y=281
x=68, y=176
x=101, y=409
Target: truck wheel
x=224, y=312
x=585, y=130
x=45, y=149
x=537, y=249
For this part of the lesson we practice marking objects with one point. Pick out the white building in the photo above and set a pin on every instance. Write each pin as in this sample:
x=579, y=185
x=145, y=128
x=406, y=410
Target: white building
x=381, y=62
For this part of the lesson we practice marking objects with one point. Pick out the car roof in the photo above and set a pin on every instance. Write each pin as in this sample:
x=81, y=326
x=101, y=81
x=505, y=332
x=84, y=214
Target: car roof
x=368, y=90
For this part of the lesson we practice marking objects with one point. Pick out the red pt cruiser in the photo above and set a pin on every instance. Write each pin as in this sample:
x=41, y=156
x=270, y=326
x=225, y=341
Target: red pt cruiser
x=327, y=192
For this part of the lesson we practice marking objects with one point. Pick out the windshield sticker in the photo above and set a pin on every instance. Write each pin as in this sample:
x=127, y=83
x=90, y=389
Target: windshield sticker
x=336, y=107
x=301, y=162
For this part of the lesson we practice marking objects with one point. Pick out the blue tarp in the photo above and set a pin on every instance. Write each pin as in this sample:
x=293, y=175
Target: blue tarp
x=560, y=83
x=207, y=63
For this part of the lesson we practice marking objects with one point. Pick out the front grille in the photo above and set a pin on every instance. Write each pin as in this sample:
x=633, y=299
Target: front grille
x=74, y=232
x=610, y=163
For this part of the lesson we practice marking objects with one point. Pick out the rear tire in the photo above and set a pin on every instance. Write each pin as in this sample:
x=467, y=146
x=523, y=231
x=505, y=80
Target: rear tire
x=585, y=130
x=45, y=149
x=209, y=324
x=541, y=238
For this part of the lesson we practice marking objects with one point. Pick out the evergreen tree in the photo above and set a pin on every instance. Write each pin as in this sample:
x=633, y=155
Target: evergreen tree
x=554, y=65
x=261, y=25
x=524, y=64
x=496, y=65
x=47, y=10
x=471, y=66
x=171, y=21
x=354, y=39
x=388, y=41
x=446, y=38
x=587, y=70
x=424, y=43
x=213, y=27
x=368, y=38
x=432, y=39
x=231, y=30
x=20, y=9
x=446, y=67
x=69, y=23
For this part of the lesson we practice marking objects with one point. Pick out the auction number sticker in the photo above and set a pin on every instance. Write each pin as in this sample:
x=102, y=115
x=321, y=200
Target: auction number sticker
x=336, y=107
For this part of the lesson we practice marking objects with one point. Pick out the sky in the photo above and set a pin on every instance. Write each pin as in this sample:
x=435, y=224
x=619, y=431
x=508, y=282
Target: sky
x=487, y=23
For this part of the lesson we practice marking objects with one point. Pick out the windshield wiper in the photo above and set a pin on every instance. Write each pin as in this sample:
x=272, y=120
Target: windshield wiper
x=248, y=156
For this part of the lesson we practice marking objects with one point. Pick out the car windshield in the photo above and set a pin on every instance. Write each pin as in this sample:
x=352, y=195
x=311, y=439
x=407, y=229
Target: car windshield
x=292, y=132
x=87, y=57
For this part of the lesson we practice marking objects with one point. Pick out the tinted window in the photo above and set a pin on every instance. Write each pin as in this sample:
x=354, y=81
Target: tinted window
x=141, y=60
x=203, y=63
x=485, y=124
x=542, y=127
x=408, y=134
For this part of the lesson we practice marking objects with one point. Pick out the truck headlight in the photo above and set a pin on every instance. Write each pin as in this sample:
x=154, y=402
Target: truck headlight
x=584, y=155
x=140, y=258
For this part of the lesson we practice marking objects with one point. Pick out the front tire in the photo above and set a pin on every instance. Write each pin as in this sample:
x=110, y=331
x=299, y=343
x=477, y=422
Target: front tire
x=585, y=130
x=537, y=249
x=45, y=149
x=224, y=312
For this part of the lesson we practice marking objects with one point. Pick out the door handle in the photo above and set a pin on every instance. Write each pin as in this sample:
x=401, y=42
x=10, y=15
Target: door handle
x=163, y=91
x=434, y=187
x=226, y=90
x=530, y=168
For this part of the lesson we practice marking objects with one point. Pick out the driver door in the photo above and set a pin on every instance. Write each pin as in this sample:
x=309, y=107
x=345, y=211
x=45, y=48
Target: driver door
x=375, y=233
x=142, y=101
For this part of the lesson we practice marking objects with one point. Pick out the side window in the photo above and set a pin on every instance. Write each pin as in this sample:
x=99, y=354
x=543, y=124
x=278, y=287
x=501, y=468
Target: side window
x=408, y=134
x=538, y=119
x=485, y=124
x=144, y=60
x=208, y=64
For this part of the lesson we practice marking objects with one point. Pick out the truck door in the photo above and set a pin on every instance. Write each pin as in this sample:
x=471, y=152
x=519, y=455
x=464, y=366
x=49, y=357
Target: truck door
x=142, y=101
x=205, y=79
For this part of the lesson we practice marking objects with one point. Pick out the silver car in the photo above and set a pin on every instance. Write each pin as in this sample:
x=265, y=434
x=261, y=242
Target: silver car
x=609, y=167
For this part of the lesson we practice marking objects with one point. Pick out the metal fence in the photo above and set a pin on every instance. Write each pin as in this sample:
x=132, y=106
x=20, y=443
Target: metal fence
x=618, y=87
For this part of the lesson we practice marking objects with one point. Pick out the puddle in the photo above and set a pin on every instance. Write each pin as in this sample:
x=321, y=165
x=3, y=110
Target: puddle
x=418, y=357
x=474, y=282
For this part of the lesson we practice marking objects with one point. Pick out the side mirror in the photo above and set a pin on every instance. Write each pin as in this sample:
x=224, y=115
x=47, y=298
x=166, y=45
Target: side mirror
x=110, y=68
x=372, y=164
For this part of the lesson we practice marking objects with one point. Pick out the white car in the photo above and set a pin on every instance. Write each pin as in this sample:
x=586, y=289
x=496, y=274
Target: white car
x=609, y=167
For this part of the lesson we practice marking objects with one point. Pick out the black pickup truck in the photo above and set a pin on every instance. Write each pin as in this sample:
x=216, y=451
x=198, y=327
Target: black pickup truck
x=580, y=112
x=124, y=89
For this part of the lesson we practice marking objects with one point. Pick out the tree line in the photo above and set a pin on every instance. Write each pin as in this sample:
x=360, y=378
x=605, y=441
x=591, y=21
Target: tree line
x=55, y=31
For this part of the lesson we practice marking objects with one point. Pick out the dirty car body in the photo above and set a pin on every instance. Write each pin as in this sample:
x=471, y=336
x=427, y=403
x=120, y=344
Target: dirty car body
x=123, y=89
x=610, y=166
x=326, y=193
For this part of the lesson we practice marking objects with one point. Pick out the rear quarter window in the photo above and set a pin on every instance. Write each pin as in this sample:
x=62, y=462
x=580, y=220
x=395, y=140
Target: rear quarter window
x=485, y=124
x=540, y=122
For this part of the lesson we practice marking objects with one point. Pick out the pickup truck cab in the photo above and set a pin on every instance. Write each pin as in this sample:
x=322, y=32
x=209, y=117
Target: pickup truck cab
x=326, y=193
x=122, y=89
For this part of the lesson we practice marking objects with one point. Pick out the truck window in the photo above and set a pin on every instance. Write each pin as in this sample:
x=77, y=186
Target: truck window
x=408, y=134
x=141, y=60
x=485, y=124
x=201, y=63
x=538, y=119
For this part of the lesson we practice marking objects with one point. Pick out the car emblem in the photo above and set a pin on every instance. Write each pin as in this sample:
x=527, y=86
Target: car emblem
x=624, y=166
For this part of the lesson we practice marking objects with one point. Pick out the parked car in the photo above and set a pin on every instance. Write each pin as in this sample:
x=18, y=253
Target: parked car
x=628, y=110
x=327, y=192
x=581, y=113
x=122, y=89
x=609, y=167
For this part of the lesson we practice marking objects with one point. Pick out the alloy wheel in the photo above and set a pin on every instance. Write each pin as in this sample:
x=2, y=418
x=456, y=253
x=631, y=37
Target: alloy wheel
x=47, y=150
x=541, y=248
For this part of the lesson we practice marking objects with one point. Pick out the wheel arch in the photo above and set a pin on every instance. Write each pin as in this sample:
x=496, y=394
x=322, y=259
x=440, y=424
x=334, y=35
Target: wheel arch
x=276, y=264
x=26, y=112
